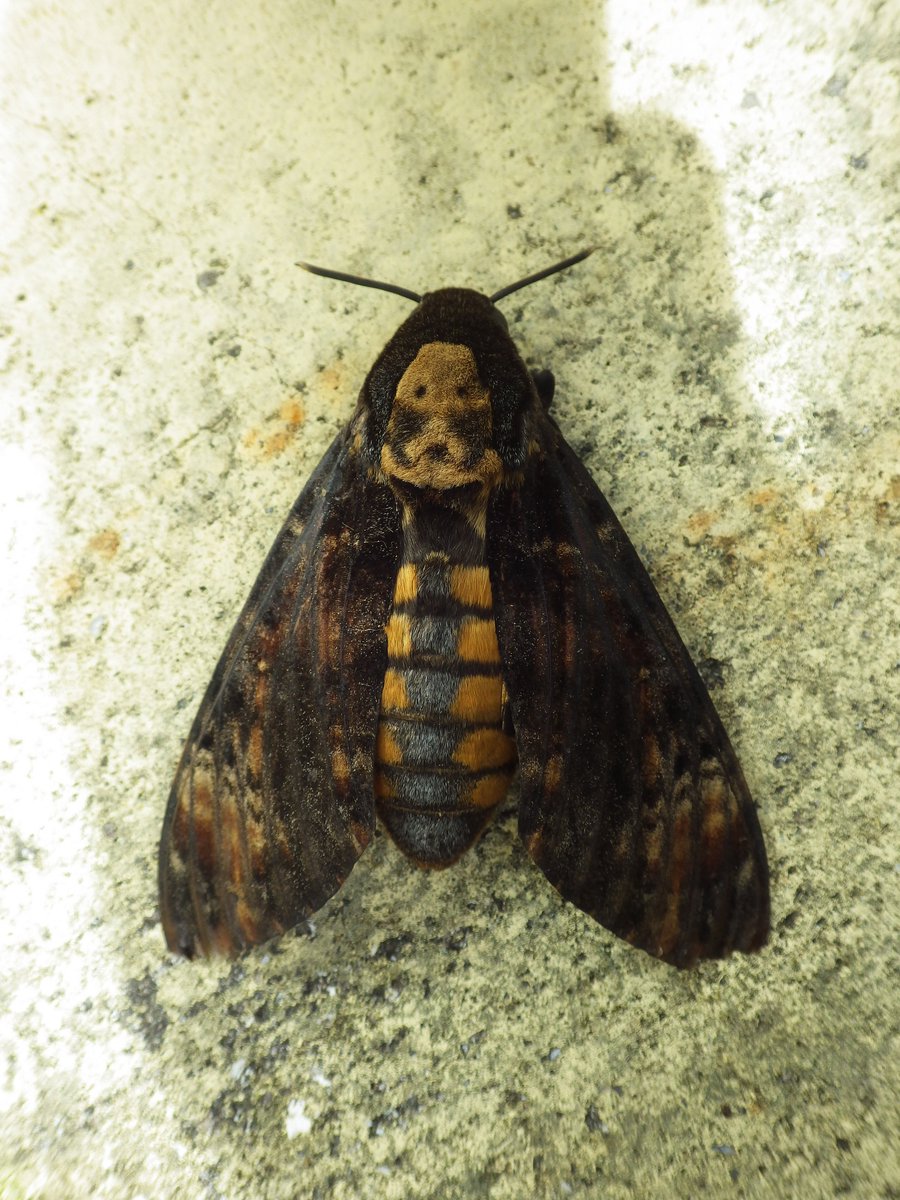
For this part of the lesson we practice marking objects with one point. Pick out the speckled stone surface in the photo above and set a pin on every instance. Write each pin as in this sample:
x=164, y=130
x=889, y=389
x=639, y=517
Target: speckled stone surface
x=727, y=364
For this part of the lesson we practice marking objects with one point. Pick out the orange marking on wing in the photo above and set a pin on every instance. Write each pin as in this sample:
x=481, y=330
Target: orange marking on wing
x=393, y=694
x=533, y=844
x=386, y=748
x=407, y=585
x=553, y=773
x=181, y=825
x=746, y=875
x=652, y=762
x=716, y=800
x=713, y=835
x=681, y=845
x=478, y=640
x=221, y=942
x=479, y=699
x=471, y=586
x=624, y=844
x=255, y=751
x=399, y=641
x=485, y=747
x=668, y=930
x=203, y=825
x=340, y=767
x=653, y=844
x=383, y=789
x=280, y=846
x=256, y=845
x=530, y=770
x=248, y=923
x=490, y=789
x=361, y=835
x=230, y=829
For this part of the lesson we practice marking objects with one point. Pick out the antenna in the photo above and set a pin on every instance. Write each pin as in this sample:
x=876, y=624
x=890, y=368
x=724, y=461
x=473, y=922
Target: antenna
x=372, y=283
x=560, y=266
x=327, y=273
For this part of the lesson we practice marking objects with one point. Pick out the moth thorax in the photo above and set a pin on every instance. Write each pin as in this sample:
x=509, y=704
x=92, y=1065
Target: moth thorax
x=439, y=434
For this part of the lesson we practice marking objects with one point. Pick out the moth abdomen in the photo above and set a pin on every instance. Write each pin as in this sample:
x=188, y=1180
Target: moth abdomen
x=443, y=759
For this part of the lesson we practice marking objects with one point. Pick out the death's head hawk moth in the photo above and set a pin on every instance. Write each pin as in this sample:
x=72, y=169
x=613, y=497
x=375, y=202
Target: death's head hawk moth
x=451, y=601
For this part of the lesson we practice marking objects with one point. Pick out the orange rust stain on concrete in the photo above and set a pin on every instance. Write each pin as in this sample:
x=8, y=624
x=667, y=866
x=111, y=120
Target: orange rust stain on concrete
x=105, y=544
x=699, y=524
x=764, y=497
x=279, y=431
x=332, y=380
x=886, y=504
x=64, y=588
x=292, y=413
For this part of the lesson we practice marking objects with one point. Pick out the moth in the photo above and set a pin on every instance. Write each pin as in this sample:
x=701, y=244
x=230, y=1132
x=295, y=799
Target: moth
x=452, y=600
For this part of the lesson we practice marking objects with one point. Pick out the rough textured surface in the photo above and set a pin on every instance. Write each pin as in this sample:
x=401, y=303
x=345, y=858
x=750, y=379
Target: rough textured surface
x=727, y=365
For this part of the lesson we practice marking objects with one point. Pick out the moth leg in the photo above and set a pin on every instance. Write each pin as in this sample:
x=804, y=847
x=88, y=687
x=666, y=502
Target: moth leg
x=546, y=385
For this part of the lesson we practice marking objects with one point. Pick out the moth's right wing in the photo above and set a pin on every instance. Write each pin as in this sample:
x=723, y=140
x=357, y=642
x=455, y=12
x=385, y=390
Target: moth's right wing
x=632, y=802
x=273, y=800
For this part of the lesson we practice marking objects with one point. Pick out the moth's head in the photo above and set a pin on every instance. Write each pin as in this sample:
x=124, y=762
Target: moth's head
x=448, y=397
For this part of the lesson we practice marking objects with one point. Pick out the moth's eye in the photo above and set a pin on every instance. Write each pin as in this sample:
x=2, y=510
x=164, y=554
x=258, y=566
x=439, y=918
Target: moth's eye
x=462, y=391
x=421, y=390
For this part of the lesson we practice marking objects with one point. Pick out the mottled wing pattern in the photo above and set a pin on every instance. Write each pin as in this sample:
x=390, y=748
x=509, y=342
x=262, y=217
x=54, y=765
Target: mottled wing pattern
x=273, y=799
x=632, y=800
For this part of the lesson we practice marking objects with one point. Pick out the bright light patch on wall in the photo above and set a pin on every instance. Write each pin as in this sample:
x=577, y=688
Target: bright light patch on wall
x=48, y=954
x=653, y=59
x=296, y=1121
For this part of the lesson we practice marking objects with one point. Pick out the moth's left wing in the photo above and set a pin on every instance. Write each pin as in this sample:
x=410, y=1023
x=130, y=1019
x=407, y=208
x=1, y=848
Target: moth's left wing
x=273, y=800
x=632, y=800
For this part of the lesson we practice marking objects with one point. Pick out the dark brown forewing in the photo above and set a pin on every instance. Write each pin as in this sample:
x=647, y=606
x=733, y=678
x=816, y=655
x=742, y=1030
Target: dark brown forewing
x=632, y=800
x=273, y=799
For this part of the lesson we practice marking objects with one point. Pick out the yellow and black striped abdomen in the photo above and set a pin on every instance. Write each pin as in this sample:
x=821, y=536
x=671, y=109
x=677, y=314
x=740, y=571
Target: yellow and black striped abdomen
x=444, y=759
